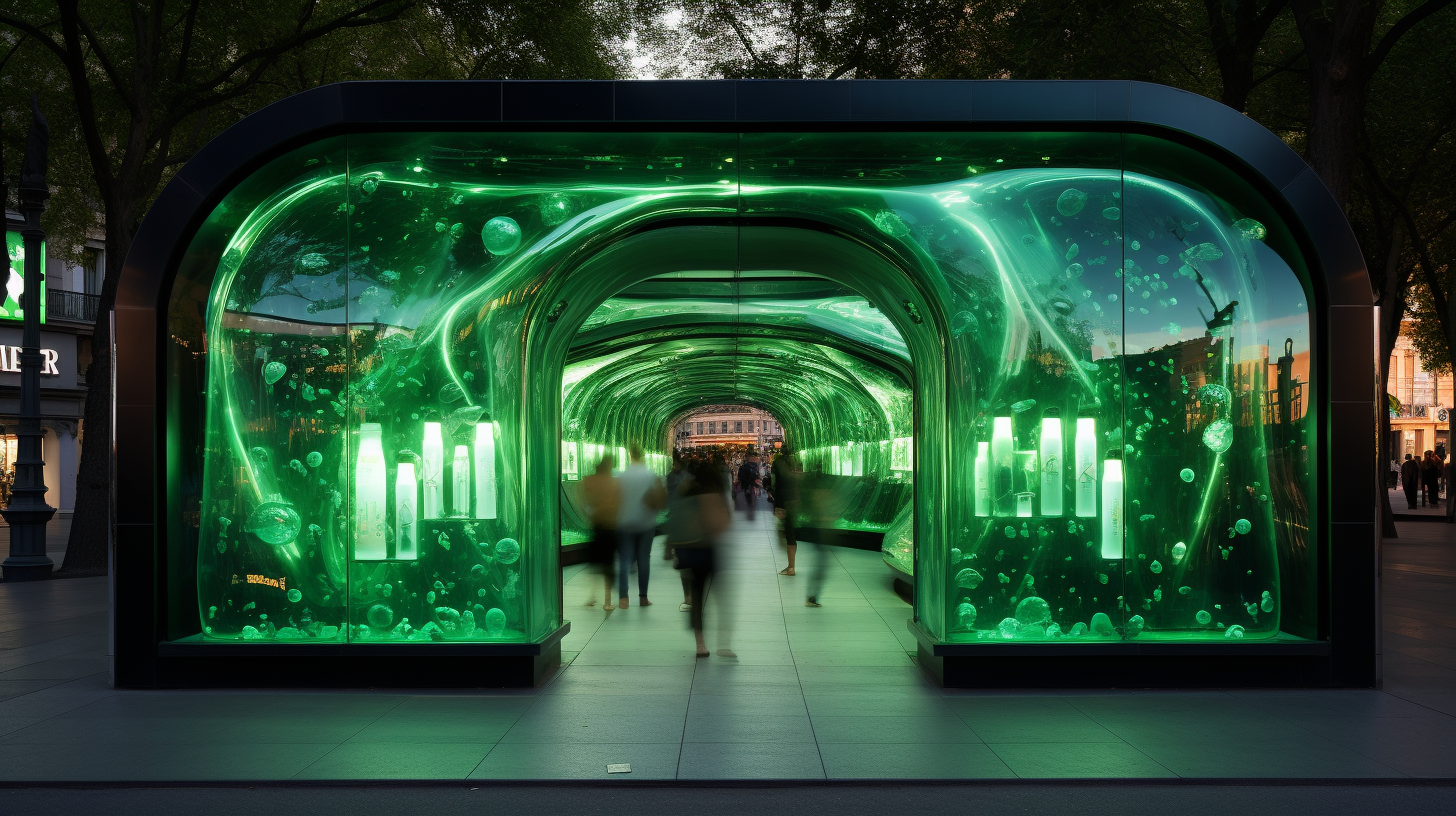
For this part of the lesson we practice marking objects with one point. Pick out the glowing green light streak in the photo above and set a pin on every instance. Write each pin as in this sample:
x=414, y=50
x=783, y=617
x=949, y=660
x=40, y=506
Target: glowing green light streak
x=635, y=210
x=248, y=232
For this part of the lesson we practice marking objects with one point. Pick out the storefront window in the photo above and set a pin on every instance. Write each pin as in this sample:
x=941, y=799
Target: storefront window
x=1080, y=358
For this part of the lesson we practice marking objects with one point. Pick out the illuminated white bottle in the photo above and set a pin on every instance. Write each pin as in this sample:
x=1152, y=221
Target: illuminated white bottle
x=485, y=469
x=460, y=490
x=983, y=479
x=370, y=495
x=406, y=531
x=1051, y=466
x=1086, y=472
x=1003, y=468
x=432, y=466
x=1112, y=521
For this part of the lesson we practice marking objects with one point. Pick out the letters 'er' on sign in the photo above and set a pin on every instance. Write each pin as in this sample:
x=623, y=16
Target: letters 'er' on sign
x=10, y=361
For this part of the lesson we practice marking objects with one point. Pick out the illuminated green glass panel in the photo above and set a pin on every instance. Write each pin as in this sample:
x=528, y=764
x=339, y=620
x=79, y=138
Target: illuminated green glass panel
x=10, y=307
x=1066, y=373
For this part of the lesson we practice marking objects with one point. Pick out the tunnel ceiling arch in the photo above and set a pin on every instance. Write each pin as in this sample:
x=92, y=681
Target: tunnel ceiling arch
x=1108, y=336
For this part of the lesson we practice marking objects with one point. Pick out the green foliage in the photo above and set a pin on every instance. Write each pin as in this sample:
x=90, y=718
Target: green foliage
x=1425, y=334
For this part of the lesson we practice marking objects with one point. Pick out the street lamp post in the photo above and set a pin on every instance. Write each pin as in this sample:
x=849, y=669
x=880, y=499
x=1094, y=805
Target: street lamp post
x=28, y=512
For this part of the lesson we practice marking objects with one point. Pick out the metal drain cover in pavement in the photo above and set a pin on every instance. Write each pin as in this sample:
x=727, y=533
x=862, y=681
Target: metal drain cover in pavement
x=622, y=767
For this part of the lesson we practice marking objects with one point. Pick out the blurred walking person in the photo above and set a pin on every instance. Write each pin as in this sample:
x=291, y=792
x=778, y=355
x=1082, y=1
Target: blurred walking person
x=748, y=481
x=824, y=504
x=602, y=496
x=681, y=521
x=1431, y=478
x=1410, y=481
x=642, y=496
x=705, y=518
x=784, y=490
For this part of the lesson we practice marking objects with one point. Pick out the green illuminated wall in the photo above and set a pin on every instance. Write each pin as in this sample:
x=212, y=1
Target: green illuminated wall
x=915, y=295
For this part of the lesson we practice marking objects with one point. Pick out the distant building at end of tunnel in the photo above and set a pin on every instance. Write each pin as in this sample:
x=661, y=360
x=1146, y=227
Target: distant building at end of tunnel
x=728, y=425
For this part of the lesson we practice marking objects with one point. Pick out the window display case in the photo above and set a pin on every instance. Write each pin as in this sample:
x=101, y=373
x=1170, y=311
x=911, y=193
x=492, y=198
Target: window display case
x=1037, y=358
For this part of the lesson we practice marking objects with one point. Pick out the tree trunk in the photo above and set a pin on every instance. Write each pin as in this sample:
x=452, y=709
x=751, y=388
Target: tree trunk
x=89, y=547
x=1382, y=461
x=1392, y=301
x=1336, y=38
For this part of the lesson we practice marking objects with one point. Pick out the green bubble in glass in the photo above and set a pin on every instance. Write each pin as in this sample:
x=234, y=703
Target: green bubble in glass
x=555, y=208
x=1186, y=474
x=314, y=459
x=1156, y=567
x=1218, y=436
x=507, y=551
x=295, y=596
x=968, y=578
x=888, y=222
x=273, y=372
x=1071, y=201
x=1032, y=610
x=966, y=615
x=380, y=616
x=501, y=235
x=1251, y=229
x=1203, y=616
x=1112, y=213
x=274, y=522
x=495, y=622
x=1243, y=526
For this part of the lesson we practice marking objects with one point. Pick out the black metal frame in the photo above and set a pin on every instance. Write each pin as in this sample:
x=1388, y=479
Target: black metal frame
x=1343, y=352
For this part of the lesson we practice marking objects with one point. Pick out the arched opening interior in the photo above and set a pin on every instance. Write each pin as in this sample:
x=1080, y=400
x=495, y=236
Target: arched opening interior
x=816, y=354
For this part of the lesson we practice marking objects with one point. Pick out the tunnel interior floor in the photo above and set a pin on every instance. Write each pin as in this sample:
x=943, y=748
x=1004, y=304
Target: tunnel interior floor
x=812, y=693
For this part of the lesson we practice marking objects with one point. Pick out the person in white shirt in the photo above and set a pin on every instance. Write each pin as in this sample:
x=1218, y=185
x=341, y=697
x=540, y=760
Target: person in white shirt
x=642, y=496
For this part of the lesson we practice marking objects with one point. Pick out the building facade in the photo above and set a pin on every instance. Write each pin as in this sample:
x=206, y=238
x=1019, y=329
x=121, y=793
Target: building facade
x=1422, y=421
x=67, y=322
x=728, y=425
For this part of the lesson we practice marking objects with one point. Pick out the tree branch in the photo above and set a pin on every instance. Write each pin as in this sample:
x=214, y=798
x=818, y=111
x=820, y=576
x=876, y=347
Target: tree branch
x=1388, y=42
x=186, y=51
x=264, y=56
x=85, y=99
x=36, y=33
x=94, y=43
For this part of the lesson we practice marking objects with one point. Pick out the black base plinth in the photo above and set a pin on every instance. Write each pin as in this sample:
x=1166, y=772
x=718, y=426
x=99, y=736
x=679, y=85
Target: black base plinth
x=1132, y=665
x=27, y=561
x=27, y=568
x=405, y=665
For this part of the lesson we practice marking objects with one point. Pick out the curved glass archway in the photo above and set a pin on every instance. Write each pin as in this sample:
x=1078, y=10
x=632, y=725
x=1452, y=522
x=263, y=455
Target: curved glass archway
x=1108, y=444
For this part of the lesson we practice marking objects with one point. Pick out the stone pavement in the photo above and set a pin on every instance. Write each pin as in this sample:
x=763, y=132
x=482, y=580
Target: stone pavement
x=813, y=694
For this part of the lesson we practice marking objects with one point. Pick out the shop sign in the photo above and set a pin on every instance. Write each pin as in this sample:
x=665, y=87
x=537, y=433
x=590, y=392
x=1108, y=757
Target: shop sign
x=10, y=361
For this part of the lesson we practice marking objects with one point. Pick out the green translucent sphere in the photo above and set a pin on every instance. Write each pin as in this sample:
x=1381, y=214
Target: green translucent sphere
x=501, y=235
x=380, y=616
x=968, y=578
x=507, y=551
x=1243, y=526
x=1186, y=474
x=274, y=522
x=294, y=595
x=495, y=622
x=1032, y=610
x=1071, y=201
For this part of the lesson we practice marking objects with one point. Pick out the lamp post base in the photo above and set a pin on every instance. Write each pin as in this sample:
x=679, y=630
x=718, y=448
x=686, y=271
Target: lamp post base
x=27, y=561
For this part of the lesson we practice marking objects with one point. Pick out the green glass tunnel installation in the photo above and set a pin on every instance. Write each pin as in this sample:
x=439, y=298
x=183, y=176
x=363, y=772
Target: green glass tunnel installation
x=1080, y=361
